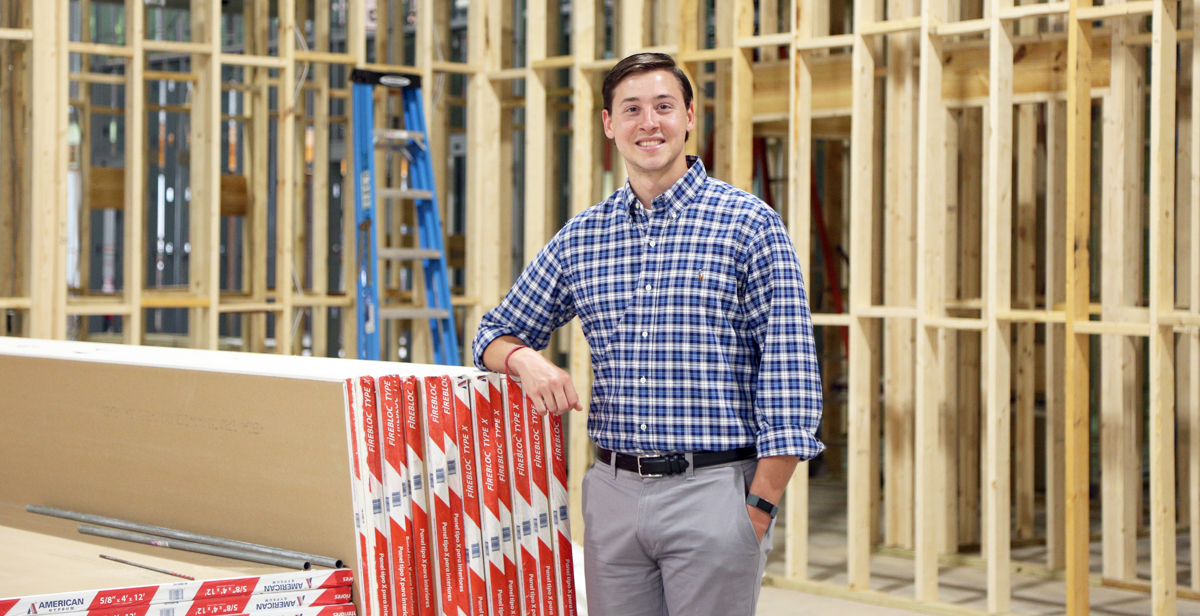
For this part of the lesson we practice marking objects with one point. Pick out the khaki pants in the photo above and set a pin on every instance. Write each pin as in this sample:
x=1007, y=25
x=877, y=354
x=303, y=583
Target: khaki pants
x=672, y=546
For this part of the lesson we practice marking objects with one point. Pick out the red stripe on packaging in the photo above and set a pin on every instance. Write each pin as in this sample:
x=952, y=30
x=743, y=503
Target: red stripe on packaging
x=462, y=592
x=423, y=575
x=523, y=516
x=396, y=492
x=377, y=538
x=540, y=497
x=497, y=582
x=469, y=465
x=444, y=554
x=560, y=517
x=508, y=546
x=366, y=583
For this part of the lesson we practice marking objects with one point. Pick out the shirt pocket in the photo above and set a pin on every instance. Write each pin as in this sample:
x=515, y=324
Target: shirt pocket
x=712, y=284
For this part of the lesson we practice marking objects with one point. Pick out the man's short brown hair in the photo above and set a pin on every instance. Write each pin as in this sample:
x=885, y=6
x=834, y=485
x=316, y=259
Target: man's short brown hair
x=643, y=63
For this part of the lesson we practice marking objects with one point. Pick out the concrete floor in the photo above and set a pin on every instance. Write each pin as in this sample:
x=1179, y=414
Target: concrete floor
x=958, y=585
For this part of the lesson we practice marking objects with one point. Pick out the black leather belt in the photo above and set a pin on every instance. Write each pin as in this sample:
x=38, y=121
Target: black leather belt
x=673, y=463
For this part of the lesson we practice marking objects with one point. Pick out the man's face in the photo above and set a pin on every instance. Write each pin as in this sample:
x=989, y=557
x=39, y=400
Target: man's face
x=649, y=122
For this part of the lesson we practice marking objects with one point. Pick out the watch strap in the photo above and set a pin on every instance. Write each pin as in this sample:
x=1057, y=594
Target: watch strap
x=765, y=505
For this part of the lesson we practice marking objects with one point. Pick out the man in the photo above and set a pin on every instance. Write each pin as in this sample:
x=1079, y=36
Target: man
x=706, y=390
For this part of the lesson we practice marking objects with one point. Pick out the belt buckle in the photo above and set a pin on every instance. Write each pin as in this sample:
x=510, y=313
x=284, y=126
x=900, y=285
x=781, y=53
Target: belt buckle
x=644, y=475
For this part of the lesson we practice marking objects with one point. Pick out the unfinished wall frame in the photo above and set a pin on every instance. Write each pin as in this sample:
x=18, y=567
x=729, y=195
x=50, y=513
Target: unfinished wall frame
x=960, y=319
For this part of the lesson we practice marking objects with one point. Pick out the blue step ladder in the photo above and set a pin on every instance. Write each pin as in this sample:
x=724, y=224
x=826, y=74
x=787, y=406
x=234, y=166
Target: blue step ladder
x=412, y=142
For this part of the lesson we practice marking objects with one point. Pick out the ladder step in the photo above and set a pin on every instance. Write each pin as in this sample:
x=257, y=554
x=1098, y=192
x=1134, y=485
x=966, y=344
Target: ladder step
x=408, y=254
x=398, y=134
x=405, y=193
x=413, y=313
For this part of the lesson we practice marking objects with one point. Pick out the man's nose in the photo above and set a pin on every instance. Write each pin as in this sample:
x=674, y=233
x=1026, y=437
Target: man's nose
x=648, y=119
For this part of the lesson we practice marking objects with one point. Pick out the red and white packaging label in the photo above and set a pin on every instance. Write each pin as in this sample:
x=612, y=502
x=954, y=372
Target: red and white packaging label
x=524, y=518
x=561, y=519
x=224, y=606
x=439, y=486
x=178, y=591
x=372, y=464
x=497, y=583
x=422, y=561
x=468, y=454
x=358, y=490
x=398, y=498
x=462, y=592
x=508, y=544
x=540, y=497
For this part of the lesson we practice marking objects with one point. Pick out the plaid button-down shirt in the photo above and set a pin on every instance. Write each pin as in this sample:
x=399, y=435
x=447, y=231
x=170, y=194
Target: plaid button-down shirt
x=695, y=311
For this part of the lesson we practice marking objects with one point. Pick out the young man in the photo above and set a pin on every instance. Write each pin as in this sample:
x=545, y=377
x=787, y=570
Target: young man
x=706, y=390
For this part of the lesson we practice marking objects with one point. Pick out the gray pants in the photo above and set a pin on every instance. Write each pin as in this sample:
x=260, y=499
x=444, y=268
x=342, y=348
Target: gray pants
x=672, y=546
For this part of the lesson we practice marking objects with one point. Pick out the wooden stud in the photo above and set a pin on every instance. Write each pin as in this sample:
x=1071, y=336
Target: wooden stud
x=900, y=282
x=997, y=298
x=257, y=23
x=1079, y=143
x=285, y=196
x=1025, y=280
x=1193, y=376
x=798, y=216
x=1120, y=395
x=861, y=389
x=969, y=343
x=1183, y=273
x=135, y=170
x=320, y=182
x=1163, y=62
x=1055, y=348
x=47, y=286
x=205, y=137
x=930, y=297
x=483, y=137
x=538, y=141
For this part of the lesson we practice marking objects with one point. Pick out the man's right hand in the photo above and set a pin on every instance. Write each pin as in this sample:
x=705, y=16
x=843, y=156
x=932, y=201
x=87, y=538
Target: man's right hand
x=549, y=387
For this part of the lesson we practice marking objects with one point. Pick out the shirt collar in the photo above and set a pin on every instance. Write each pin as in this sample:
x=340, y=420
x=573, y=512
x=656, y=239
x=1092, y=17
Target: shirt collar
x=678, y=196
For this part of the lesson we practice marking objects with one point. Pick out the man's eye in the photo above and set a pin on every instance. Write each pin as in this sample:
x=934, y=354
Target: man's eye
x=631, y=110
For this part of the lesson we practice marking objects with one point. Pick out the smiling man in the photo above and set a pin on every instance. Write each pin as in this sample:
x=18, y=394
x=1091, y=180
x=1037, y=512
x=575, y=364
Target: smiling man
x=706, y=389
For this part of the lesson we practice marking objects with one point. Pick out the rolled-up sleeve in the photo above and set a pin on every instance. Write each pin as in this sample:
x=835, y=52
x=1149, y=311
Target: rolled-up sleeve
x=537, y=304
x=787, y=404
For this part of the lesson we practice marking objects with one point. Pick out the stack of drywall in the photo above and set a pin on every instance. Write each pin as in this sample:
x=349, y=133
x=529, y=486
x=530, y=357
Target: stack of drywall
x=305, y=593
x=459, y=493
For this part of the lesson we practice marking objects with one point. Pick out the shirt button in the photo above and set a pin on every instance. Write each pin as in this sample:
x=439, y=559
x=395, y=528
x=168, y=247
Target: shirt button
x=647, y=287
x=673, y=216
x=643, y=379
x=652, y=243
x=643, y=427
x=644, y=334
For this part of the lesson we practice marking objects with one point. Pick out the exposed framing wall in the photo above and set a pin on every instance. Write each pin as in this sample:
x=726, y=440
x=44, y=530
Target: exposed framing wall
x=978, y=71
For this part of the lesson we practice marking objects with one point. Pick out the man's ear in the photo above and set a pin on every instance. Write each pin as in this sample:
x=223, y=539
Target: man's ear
x=606, y=120
x=691, y=114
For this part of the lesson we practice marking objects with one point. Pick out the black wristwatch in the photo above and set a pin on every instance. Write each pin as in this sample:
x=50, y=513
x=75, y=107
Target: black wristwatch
x=770, y=508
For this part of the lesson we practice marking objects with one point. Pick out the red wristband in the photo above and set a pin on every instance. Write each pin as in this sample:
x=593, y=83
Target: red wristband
x=510, y=353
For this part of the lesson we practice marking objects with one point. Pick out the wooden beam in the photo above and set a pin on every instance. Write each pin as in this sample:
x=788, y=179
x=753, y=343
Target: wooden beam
x=1163, y=62
x=135, y=171
x=320, y=182
x=969, y=351
x=257, y=19
x=930, y=298
x=997, y=340
x=899, y=287
x=48, y=135
x=1056, y=197
x=1121, y=228
x=861, y=389
x=1183, y=273
x=1025, y=280
x=1193, y=377
x=798, y=216
x=1079, y=144
x=285, y=194
x=205, y=137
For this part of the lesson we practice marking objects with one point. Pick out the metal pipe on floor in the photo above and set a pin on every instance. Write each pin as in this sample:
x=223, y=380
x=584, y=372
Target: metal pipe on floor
x=199, y=548
x=322, y=561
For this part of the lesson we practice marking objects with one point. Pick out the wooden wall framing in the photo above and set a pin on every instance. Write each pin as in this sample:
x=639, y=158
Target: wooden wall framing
x=940, y=203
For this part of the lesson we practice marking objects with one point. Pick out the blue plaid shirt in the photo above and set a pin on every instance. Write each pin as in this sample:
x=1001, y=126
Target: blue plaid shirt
x=695, y=311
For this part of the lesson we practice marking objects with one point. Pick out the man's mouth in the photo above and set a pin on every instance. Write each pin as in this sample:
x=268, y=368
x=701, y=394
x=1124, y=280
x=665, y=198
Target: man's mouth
x=649, y=143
